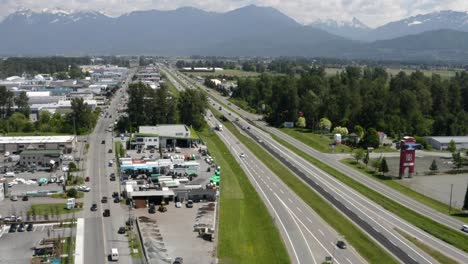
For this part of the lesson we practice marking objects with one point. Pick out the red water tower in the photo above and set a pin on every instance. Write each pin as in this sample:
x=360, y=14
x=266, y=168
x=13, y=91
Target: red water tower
x=408, y=149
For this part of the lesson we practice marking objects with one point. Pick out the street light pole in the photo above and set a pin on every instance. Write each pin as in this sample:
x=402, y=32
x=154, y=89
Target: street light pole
x=450, y=202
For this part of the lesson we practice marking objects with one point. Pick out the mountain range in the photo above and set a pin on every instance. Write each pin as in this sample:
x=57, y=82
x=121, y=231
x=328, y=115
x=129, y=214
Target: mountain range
x=247, y=31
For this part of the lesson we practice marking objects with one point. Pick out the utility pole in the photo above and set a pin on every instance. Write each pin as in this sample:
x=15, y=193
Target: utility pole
x=450, y=203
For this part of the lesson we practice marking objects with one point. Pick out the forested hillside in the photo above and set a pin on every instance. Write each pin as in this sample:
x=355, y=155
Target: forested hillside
x=398, y=105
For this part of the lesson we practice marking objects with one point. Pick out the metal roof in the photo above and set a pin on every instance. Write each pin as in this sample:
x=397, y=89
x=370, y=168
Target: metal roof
x=446, y=140
x=152, y=193
x=36, y=139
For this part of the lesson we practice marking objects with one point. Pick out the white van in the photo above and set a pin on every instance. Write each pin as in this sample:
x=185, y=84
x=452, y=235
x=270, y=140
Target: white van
x=114, y=254
x=9, y=174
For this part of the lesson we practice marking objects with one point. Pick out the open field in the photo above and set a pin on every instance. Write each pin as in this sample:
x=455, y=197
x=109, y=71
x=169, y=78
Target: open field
x=365, y=246
x=51, y=209
x=316, y=141
x=393, y=72
x=233, y=73
x=246, y=230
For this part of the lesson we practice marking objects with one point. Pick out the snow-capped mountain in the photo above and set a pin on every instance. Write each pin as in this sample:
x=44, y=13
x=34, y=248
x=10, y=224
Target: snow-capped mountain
x=421, y=23
x=353, y=29
x=51, y=16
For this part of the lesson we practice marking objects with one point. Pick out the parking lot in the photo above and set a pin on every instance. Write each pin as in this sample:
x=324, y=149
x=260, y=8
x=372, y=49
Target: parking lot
x=17, y=248
x=171, y=235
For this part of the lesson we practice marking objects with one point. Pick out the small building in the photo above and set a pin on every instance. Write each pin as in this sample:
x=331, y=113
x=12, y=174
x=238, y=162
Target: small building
x=153, y=137
x=442, y=143
x=202, y=195
x=40, y=157
x=142, y=199
x=17, y=144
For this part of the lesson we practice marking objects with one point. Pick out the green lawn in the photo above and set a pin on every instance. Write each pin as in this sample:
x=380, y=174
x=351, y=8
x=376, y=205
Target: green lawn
x=134, y=243
x=365, y=246
x=437, y=255
x=51, y=209
x=247, y=233
x=432, y=227
x=172, y=88
x=316, y=141
x=437, y=205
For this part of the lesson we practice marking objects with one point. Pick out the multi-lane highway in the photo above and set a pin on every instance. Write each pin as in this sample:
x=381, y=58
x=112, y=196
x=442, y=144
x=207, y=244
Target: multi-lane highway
x=379, y=222
x=100, y=233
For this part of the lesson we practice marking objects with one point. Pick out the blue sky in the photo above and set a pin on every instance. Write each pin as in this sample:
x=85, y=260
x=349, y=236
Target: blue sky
x=371, y=12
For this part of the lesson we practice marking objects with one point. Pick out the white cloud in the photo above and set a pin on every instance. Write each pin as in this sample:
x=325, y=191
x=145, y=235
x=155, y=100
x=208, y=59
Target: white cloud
x=371, y=12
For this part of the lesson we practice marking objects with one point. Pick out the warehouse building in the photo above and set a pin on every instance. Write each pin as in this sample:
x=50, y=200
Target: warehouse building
x=442, y=143
x=40, y=157
x=153, y=137
x=17, y=144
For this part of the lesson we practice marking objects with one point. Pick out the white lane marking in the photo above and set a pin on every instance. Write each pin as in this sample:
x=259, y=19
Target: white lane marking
x=349, y=260
x=289, y=199
x=309, y=220
x=321, y=232
x=299, y=209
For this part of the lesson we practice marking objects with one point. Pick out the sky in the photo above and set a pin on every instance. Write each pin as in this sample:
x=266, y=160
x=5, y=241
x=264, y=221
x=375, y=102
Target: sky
x=371, y=12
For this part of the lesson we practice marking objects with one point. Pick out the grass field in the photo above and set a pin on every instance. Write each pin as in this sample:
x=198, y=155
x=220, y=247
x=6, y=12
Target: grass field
x=247, y=233
x=437, y=255
x=172, y=88
x=365, y=246
x=316, y=141
x=432, y=227
x=393, y=72
x=439, y=206
x=233, y=73
x=51, y=209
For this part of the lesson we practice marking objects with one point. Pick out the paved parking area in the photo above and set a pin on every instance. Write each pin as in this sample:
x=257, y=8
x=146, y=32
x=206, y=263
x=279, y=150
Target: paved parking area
x=175, y=228
x=17, y=248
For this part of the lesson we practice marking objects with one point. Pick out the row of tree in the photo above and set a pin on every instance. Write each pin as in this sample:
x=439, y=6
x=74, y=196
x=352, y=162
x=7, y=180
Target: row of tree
x=206, y=63
x=152, y=107
x=403, y=104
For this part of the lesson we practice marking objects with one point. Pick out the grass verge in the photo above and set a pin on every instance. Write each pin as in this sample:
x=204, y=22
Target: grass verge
x=134, y=243
x=247, y=233
x=438, y=230
x=437, y=255
x=316, y=141
x=366, y=247
x=65, y=196
x=51, y=209
x=69, y=248
x=434, y=204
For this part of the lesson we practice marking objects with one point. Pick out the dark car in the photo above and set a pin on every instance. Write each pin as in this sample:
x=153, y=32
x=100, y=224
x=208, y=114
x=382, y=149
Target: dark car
x=103, y=142
x=21, y=227
x=122, y=230
x=94, y=207
x=109, y=151
x=152, y=209
x=341, y=244
x=104, y=199
x=178, y=260
x=117, y=199
x=30, y=227
x=152, y=151
x=12, y=228
x=25, y=198
x=112, y=178
x=87, y=179
x=106, y=213
x=115, y=194
x=189, y=204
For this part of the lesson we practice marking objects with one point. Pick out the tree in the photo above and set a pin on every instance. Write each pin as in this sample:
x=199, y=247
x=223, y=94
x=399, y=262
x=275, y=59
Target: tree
x=359, y=131
x=325, y=124
x=465, y=204
x=358, y=154
x=21, y=101
x=372, y=138
x=375, y=163
x=383, y=166
x=301, y=122
x=192, y=106
x=17, y=122
x=452, y=147
x=457, y=160
x=340, y=130
x=366, y=158
x=72, y=193
x=433, y=167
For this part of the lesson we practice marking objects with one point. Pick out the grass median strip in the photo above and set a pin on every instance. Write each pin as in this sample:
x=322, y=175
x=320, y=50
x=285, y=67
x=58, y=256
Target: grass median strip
x=428, y=201
x=366, y=247
x=438, y=230
x=247, y=233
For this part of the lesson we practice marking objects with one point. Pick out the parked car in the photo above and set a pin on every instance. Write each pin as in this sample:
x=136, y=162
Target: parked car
x=94, y=207
x=341, y=244
x=21, y=228
x=87, y=179
x=6, y=154
x=84, y=188
x=189, y=204
x=13, y=228
x=25, y=198
x=104, y=199
x=178, y=260
x=14, y=198
x=178, y=204
x=106, y=213
x=152, y=209
x=122, y=230
x=103, y=142
x=30, y=227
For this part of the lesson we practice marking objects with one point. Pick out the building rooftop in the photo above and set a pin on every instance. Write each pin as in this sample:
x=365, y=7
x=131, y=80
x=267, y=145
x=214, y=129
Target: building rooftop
x=36, y=139
x=41, y=151
x=165, y=131
x=152, y=193
x=457, y=139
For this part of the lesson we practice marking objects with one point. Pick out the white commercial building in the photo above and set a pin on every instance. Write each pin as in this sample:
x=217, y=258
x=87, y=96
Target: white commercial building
x=17, y=144
x=442, y=143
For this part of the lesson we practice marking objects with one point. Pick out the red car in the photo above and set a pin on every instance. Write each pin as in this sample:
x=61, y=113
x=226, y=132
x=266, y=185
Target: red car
x=87, y=179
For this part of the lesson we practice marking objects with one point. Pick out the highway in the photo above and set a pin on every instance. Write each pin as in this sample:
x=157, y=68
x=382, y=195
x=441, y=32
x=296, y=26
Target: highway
x=101, y=232
x=379, y=222
x=307, y=237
